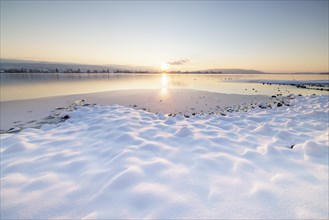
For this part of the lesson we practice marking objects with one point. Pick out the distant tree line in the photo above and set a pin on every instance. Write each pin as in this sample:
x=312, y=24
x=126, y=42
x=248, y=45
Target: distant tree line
x=69, y=70
x=197, y=72
x=24, y=70
x=132, y=71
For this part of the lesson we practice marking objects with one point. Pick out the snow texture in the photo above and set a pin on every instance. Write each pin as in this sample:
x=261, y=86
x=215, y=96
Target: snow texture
x=117, y=162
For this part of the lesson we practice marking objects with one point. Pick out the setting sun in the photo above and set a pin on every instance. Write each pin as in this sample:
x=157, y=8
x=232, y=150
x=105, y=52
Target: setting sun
x=165, y=66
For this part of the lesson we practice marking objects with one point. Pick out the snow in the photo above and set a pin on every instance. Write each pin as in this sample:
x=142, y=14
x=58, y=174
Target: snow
x=118, y=162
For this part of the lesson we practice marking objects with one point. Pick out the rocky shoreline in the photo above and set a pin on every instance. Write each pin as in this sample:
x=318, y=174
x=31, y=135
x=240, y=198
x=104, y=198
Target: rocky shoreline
x=61, y=114
x=315, y=85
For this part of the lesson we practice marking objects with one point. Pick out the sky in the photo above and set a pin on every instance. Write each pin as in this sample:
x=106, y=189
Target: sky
x=271, y=36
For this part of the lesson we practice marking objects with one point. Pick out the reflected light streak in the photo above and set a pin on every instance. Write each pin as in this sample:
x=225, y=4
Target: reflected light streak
x=164, y=83
x=164, y=80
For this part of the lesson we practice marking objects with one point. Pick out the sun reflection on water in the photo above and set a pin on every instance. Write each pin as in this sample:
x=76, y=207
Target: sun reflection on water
x=164, y=80
x=164, y=83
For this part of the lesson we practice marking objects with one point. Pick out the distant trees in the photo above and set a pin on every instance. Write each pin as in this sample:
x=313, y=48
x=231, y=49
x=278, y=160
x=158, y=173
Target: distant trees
x=21, y=70
x=69, y=70
x=130, y=71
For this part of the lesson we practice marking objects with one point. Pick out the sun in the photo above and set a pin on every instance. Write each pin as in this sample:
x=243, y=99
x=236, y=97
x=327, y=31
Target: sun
x=165, y=66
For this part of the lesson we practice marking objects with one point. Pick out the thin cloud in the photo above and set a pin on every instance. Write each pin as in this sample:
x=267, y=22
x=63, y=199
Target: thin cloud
x=178, y=62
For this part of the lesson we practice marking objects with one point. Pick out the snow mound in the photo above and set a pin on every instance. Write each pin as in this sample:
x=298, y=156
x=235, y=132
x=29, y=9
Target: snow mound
x=116, y=162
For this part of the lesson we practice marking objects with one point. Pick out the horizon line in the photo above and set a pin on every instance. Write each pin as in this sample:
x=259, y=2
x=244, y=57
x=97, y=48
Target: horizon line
x=17, y=60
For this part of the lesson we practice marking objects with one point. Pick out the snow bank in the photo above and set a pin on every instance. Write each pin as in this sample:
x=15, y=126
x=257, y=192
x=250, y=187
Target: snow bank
x=117, y=162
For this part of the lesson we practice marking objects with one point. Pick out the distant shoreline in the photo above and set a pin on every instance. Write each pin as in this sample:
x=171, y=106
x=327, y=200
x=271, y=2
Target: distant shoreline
x=27, y=66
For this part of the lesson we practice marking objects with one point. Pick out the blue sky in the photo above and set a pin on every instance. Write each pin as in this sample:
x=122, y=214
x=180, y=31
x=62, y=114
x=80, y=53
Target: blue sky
x=274, y=36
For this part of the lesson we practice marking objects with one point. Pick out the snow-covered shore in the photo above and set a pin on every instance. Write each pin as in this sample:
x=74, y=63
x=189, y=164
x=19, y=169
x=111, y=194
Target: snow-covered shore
x=119, y=162
x=34, y=112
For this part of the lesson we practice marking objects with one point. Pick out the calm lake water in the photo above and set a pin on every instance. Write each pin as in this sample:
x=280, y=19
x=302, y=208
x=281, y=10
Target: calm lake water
x=16, y=86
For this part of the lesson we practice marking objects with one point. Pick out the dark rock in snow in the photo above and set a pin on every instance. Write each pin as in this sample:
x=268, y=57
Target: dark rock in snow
x=12, y=130
x=65, y=117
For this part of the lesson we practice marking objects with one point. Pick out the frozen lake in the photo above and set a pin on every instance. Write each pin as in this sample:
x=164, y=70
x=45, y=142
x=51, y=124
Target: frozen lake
x=18, y=86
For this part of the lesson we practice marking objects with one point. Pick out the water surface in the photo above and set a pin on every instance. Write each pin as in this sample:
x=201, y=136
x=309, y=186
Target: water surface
x=17, y=86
